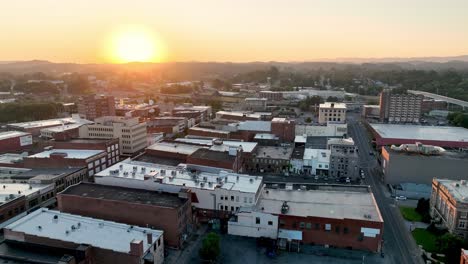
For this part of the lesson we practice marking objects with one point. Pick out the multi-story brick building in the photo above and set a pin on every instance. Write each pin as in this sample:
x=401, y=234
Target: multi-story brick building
x=131, y=133
x=170, y=212
x=100, y=241
x=92, y=107
x=110, y=146
x=405, y=108
x=93, y=160
x=205, y=158
x=284, y=129
x=344, y=158
x=15, y=141
x=271, y=159
x=332, y=112
x=336, y=216
x=449, y=205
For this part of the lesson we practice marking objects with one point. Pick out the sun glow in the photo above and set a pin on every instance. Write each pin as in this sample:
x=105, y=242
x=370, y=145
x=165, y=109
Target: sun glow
x=135, y=44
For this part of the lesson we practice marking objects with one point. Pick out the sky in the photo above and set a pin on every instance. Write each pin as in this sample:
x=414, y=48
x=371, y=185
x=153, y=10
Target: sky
x=235, y=30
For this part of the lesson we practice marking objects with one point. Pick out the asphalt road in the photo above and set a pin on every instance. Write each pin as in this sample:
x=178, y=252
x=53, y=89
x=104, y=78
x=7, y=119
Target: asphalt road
x=399, y=246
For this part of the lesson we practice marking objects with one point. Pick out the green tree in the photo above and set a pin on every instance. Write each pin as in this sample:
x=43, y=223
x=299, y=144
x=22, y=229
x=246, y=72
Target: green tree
x=451, y=246
x=210, y=249
x=308, y=120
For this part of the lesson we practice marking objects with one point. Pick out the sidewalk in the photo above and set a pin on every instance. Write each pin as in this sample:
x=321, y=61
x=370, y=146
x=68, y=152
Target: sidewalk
x=185, y=255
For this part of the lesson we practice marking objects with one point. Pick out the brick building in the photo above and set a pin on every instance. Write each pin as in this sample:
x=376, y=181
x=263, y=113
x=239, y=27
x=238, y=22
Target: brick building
x=208, y=132
x=93, y=160
x=100, y=241
x=344, y=158
x=110, y=146
x=335, y=216
x=405, y=108
x=230, y=160
x=284, y=128
x=332, y=112
x=13, y=141
x=170, y=212
x=168, y=125
x=271, y=159
x=92, y=107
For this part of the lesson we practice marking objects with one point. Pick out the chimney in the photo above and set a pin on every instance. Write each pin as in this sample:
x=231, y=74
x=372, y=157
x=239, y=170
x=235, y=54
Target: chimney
x=149, y=236
x=136, y=248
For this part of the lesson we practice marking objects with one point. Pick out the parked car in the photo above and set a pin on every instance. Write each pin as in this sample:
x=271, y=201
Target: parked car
x=401, y=198
x=348, y=180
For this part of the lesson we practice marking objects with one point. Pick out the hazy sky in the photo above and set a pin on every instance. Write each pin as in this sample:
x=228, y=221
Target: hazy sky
x=237, y=30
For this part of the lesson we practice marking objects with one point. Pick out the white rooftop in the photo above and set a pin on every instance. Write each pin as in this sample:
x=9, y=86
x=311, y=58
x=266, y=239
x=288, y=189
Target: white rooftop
x=239, y=113
x=209, y=130
x=341, y=141
x=458, y=189
x=179, y=176
x=12, y=134
x=8, y=158
x=439, y=133
x=61, y=128
x=321, y=155
x=10, y=191
x=300, y=139
x=175, y=147
x=335, y=105
x=71, y=153
x=264, y=126
x=95, y=232
x=265, y=136
x=246, y=146
x=337, y=204
x=51, y=122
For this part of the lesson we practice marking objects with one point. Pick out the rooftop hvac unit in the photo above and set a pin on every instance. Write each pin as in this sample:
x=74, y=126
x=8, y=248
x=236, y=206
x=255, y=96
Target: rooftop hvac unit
x=251, y=180
x=205, y=179
x=173, y=173
x=163, y=172
x=135, y=168
x=202, y=184
x=121, y=166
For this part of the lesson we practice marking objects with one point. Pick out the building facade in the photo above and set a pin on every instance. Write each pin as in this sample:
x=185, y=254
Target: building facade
x=131, y=133
x=332, y=112
x=92, y=107
x=449, y=205
x=15, y=141
x=344, y=158
x=404, y=108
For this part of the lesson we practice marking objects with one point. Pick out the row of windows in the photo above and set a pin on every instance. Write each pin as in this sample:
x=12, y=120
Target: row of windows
x=316, y=226
x=100, y=129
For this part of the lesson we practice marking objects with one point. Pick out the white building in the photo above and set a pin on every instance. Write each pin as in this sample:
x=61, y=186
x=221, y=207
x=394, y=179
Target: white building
x=214, y=191
x=129, y=131
x=255, y=104
x=251, y=222
x=316, y=161
x=332, y=112
x=107, y=238
x=330, y=130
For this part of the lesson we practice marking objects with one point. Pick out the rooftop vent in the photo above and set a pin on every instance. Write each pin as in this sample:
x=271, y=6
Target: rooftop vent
x=285, y=208
x=39, y=227
x=251, y=180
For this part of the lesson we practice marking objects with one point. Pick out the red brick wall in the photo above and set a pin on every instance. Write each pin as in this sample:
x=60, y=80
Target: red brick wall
x=340, y=239
x=162, y=218
x=208, y=134
x=163, y=154
x=11, y=144
x=12, y=208
x=286, y=131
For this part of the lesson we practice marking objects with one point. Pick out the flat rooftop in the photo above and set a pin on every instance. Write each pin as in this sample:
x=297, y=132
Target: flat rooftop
x=337, y=204
x=416, y=132
x=56, y=129
x=441, y=155
x=40, y=174
x=95, y=232
x=213, y=155
x=175, y=147
x=263, y=126
x=49, y=122
x=333, y=105
x=71, y=153
x=130, y=195
x=10, y=191
x=266, y=136
x=11, y=158
x=322, y=155
x=209, y=130
x=87, y=140
x=12, y=134
x=246, y=146
x=458, y=189
x=180, y=176
x=274, y=152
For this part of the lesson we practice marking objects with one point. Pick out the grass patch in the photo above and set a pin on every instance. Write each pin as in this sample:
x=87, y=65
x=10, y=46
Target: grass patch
x=425, y=238
x=410, y=214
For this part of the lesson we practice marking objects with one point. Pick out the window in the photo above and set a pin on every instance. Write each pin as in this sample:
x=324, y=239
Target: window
x=159, y=242
x=225, y=207
x=237, y=198
x=232, y=197
x=308, y=225
x=461, y=224
x=301, y=224
x=232, y=208
x=317, y=226
x=257, y=220
x=270, y=222
x=222, y=198
x=345, y=230
x=463, y=215
x=245, y=199
x=90, y=165
x=337, y=229
x=282, y=223
x=250, y=200
x=327, y=227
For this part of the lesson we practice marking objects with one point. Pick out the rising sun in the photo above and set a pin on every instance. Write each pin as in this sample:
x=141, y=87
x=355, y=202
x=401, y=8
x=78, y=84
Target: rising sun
x=135, y=44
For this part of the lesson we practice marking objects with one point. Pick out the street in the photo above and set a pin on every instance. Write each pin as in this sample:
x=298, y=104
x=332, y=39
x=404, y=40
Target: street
x=398, y=246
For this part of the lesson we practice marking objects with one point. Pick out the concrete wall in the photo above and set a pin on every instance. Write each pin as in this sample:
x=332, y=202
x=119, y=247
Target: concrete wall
x=246, y=225
x=400, y=168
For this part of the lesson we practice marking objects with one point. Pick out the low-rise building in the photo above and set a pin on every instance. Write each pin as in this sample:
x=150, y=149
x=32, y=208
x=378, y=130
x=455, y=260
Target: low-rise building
x=92, y=106
x=255, y=104
x=35, y=127
x=11, y=141
x=170, y=212
x=208, y=132
x=266, y=139
x=62, y=132
x=449, y=205
x=213, y=194
x=419, y=163
x=93, y=160
x=271, y=159
x=102, y=241
x=203, y=159
x=168, y=125
x=332, y=112
x=371, y=111
x=110, y=146
x=335, y=216
x=284, y=128
x=328, y=130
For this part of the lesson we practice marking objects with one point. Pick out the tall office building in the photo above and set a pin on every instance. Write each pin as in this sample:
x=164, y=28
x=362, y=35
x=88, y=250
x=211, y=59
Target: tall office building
x=405, y=108
x=343, y=158
x=92, y=107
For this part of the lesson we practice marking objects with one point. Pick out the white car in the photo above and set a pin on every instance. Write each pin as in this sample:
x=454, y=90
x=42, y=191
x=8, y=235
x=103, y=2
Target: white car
x=348, y=180
x=316, y=177
x=401, y=198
